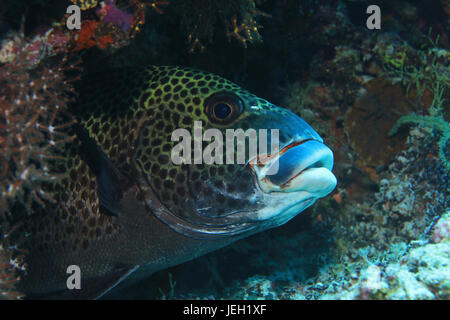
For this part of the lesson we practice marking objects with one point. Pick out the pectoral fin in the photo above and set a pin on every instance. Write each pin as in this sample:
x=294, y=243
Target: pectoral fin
x=109, y=177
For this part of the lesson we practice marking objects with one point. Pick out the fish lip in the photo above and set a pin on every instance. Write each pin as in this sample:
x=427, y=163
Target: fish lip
x=262, y=161
x=295, y=144
x=302, y=170
x=320, y=157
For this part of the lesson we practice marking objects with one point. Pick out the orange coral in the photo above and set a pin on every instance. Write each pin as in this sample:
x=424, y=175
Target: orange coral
x=104, y=41
x=85, y=37
x=90, y=35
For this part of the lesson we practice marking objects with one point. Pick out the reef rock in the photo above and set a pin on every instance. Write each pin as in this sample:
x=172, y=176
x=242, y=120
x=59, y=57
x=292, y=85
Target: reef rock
x=378, y=109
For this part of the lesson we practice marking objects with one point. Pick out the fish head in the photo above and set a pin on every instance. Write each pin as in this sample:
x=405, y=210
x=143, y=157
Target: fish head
x=220, y=188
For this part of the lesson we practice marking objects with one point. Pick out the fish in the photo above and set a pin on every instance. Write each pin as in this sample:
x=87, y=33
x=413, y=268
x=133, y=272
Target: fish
x=125, y=210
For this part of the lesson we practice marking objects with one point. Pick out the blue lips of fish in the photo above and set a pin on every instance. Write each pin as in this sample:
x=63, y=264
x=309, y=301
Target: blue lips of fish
x=303, y=175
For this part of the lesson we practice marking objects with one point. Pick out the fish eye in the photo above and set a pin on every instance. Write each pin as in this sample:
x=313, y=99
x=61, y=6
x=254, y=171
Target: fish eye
x=223, y=107
x=222, y=110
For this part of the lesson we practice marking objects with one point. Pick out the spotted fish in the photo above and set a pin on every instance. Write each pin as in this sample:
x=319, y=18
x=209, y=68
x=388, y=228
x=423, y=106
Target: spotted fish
x=125, y=210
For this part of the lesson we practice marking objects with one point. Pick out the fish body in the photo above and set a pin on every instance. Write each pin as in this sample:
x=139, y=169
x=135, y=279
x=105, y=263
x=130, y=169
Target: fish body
x=124, y=207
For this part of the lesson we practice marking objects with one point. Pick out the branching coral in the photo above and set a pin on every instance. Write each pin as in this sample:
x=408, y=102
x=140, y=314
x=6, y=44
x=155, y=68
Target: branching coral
x=139, y=14
x=199, y=19
x=33, y=97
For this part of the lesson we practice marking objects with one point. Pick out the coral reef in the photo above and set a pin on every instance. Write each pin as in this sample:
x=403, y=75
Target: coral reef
x=413, y=80
x=421, y=274
x=36, y=77
x=379, y=98
x=199, y=19
x=33, y=99
x=434, y=122
x=379, y=108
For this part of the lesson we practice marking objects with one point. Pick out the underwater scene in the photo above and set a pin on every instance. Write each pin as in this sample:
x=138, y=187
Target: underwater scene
x=225, y=149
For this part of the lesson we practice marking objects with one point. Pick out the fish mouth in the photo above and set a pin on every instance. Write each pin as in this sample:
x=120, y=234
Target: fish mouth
x=299, y=166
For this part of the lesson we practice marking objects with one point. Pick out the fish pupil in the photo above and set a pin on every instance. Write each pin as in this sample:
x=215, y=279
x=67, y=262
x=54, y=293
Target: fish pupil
x=222, y=110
